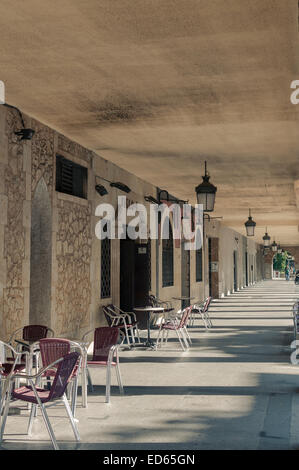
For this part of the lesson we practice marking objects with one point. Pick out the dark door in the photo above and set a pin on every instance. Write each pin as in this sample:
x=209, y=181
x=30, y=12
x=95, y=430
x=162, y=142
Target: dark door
x=235, y=272
x=210, y=266
x=141, y=283
x=127, y=267
x=246, y=268
x=134, y=276
x=185, y=275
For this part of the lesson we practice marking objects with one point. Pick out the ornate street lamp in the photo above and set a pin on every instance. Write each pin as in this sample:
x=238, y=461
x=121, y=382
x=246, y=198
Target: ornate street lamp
x=279, y=249
x=206, y=192
x=266, y=239
x=250, y=226
x=274, y=246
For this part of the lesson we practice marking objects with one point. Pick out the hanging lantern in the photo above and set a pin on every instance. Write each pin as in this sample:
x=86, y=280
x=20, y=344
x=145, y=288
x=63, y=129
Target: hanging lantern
x=279, y=249
x=266, y=239
x=206, y=192
x=274, y=246
x=250, y=226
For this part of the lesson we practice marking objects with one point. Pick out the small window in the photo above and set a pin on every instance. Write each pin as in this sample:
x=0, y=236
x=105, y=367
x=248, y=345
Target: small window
x=105, y=268
x=198, y=265
x=71, y=178
x=167, y=259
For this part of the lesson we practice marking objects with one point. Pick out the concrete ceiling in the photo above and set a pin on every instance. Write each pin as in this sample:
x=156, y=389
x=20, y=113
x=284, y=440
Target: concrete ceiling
x=159, y=86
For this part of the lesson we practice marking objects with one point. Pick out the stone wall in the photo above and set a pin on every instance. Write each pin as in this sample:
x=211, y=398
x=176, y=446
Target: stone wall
x=73, y=245
x=14, y=237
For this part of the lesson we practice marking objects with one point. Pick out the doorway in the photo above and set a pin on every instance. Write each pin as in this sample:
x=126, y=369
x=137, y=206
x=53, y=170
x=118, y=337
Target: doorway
x=235, y=261
x=134, y=274
x=185, y=275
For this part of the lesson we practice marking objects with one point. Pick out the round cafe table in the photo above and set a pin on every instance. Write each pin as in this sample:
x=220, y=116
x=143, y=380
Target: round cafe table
x=184, y=299
x=148, y=310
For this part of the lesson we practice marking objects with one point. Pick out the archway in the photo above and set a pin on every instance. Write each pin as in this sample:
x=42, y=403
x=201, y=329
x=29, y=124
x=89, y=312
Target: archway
x=283, y=265
x=41, y=256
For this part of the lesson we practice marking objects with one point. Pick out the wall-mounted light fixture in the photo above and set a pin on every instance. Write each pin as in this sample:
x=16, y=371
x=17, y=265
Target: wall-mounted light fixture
x=163, y=195
x=206, y=192
x=25, y=133
x=116, y=184
x=250, y=226
x=151, y=199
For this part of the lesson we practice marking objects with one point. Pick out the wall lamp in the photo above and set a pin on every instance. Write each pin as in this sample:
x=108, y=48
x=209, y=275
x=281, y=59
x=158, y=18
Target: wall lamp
x=123, y=187
x=25, y=133
x=163, y=195
x=151, y=199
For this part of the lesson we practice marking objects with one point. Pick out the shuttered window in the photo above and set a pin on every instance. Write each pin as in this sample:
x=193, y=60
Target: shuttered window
x=71, y=178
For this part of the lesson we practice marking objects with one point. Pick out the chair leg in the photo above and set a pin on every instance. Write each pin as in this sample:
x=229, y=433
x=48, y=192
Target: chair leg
x=108, y=383
x=182, y=332
x=178, y=335
x=71, y=417
x=48, y=425
x=89, y=379
x=127, y=336
x=132, y=335
x=187, y=335
x=31, y=418
x=5, y=414
x=119, y=381
x=74, y=395
x=137, y=333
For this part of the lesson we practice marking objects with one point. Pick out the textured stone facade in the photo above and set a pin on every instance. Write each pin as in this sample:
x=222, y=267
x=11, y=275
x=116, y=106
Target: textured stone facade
x=73, y=243
x=14, y=231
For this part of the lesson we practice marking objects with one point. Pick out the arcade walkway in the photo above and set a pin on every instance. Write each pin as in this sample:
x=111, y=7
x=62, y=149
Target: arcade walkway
x=234, y=389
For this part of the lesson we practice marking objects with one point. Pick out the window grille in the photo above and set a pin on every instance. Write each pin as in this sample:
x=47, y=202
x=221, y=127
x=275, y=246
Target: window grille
x=105, y=268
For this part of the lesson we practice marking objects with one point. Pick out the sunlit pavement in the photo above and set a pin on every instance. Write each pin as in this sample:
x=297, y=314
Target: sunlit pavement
x=234, y=389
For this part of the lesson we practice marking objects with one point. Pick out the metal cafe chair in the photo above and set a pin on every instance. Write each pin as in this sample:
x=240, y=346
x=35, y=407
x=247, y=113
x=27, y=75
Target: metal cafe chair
x=105, y=354
x=50, y=350
x=202, y=308
x=179, y=325
x=132, y=319
x=40, y=397
x=8, y=369
x=121, y=320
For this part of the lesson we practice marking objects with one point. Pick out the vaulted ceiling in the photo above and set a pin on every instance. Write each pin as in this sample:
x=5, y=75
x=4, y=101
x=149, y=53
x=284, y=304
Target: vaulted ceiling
x=159, y=86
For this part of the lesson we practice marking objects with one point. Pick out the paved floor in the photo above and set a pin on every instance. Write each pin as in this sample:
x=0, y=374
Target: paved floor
x=234, y=389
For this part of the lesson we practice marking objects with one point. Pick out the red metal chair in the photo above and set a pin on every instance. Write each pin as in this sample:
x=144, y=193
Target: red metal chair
x=52, y=349
x=105, y=354
x=179, y=325
x=202, y=309
x=40, y=397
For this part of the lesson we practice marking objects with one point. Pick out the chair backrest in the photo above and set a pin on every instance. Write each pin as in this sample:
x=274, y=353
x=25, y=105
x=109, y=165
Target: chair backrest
x=34, y=333
x=207, y=304
x=185, y=316
x=64, y=371
x=104, y=338
x=108, y=311
x=52, y=349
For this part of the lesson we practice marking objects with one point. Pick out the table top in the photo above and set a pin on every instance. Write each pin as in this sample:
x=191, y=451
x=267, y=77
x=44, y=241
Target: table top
x=149, y=309
x=183, y=298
